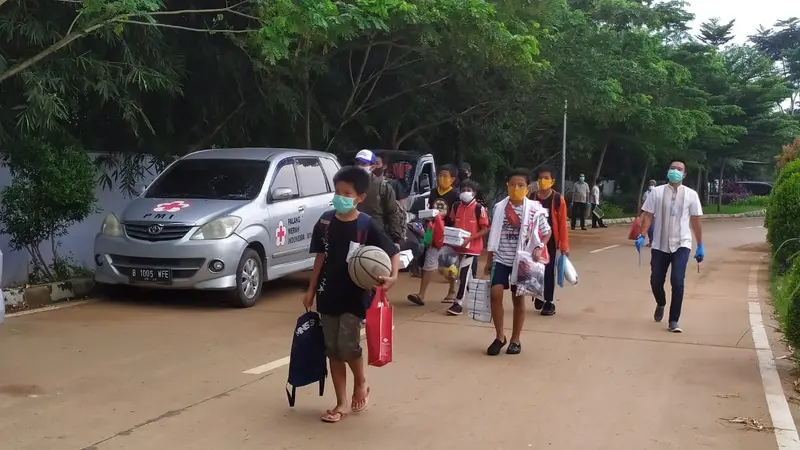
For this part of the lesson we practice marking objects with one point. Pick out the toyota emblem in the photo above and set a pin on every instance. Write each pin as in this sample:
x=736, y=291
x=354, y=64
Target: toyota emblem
x=155, y=229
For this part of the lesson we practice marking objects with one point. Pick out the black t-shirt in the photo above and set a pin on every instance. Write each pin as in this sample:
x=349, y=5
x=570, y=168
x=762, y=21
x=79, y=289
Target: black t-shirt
x=548, y=205
x=444, y=202
x=336, y=292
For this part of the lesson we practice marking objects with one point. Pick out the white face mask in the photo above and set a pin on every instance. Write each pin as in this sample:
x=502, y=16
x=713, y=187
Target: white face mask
x=466, y=197
x=650, y=188
x=367, y=169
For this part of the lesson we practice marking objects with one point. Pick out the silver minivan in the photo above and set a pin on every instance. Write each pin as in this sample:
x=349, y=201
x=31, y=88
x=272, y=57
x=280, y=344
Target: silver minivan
x=220, y=219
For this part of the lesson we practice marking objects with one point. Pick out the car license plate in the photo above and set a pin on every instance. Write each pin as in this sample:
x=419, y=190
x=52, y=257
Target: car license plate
x=159, y=276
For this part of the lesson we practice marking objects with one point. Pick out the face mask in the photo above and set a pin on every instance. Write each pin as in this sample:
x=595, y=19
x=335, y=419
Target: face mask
x=674, y=175
x=445, y=183
x=342, y=204
x=650, y=188
x=466, y=197
x=545, y=184
x=378, y=171
x=517, y=193
x=581, y=179
x=367, y=169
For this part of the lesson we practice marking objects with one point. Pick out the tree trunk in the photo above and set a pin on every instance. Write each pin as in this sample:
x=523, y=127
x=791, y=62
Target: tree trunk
x=307, y=117
x=600, y=162
x=700, y=184
x=641, y=186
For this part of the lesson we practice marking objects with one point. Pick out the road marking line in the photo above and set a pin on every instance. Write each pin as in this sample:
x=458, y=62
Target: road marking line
x=751, y=228
x=604, y=248
x=278, y=363
x=781, y=415
x=49, y=308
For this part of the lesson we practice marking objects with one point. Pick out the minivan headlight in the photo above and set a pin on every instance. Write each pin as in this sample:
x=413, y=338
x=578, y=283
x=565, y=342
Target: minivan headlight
x=111, y=226
x=218, y=228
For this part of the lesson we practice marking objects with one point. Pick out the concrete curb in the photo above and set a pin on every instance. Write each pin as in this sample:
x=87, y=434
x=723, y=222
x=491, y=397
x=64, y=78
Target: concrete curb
x=47, y=294
x=759, y=213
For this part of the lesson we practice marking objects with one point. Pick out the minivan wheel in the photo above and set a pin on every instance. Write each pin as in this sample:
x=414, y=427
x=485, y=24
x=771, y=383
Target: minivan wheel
x=248, y=280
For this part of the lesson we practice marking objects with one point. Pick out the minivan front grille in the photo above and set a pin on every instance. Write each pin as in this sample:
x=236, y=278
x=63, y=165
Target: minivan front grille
x=155, y=232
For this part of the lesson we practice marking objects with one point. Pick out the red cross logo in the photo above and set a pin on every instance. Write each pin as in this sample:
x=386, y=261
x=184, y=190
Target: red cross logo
x=171, y=207
x=280, y=234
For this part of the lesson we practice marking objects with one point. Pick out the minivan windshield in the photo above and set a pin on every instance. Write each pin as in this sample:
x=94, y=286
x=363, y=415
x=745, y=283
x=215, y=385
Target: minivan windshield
x=213, y=179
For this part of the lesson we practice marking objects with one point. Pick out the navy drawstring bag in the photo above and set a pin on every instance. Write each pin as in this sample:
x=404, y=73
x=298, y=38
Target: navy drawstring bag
x=307, y=362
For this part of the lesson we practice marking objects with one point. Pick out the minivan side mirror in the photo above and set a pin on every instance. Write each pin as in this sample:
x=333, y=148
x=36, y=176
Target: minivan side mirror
x=282, y=193
x=424, y=183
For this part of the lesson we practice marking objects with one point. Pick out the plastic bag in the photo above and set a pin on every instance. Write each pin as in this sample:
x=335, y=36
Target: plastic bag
x=635, y=230
x=447, y=257
x=379, y=330
x=560, y=270
x=570, y=274
x=479, y=300
x=528, y=275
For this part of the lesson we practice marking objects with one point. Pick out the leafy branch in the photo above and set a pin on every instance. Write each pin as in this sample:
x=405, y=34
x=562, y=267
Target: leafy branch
x=120, y=19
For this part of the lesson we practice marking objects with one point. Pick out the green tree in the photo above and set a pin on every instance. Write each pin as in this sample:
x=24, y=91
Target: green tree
x=715, y=33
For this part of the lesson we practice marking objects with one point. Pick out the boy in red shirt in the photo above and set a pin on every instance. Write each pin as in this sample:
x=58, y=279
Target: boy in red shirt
x=470, y=216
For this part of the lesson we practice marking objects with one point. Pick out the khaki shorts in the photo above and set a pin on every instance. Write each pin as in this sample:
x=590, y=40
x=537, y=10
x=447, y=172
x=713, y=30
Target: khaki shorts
x=342, y=336
x=431, y=259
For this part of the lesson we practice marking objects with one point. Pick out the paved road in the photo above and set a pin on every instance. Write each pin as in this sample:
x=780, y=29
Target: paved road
x=167, y=373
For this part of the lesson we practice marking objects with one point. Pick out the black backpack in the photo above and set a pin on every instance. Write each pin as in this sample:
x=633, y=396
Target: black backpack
x=307, y=362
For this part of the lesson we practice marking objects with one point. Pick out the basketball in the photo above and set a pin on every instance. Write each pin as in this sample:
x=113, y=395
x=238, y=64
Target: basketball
x=367, y=264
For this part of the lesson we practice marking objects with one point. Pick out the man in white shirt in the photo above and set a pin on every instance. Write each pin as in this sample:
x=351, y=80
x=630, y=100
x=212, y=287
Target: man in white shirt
x=597, y=221
x=677, y=211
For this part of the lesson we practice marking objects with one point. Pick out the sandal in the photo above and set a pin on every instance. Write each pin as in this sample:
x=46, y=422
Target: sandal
x=366, y=403
x=333, y=416
x=416, y=299
x=449, y=299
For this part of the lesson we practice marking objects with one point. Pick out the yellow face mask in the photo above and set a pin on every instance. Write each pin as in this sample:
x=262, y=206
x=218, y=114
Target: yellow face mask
x=445, y=183
x=545, y=183
x=517, y=193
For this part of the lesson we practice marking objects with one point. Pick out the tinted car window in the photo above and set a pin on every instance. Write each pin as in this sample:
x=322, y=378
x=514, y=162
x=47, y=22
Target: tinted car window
x=312, y=179
x=217, y=179
x=330, y=167
x=286, y=178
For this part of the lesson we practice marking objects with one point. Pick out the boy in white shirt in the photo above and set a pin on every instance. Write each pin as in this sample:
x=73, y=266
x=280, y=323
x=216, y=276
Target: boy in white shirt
x=677, y=209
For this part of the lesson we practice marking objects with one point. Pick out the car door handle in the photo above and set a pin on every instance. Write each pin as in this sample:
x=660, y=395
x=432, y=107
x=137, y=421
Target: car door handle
x=301, y=208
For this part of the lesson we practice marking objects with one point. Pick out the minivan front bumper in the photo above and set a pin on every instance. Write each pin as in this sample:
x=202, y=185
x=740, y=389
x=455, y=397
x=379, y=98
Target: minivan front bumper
x=188, y=261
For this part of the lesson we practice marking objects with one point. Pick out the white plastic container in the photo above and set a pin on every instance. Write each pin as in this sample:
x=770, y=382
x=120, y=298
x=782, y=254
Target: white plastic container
x=479, y=300
x=455, y=236
x=428, y=213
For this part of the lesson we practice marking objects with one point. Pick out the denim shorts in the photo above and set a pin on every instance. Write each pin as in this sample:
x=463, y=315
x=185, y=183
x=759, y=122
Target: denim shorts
x=501, y=276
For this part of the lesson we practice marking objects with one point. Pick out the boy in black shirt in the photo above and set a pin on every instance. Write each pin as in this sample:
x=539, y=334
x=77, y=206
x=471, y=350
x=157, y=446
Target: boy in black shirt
x=340, y=302
x=442, y=198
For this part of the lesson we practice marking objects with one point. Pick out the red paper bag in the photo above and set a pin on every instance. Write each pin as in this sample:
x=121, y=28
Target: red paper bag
x=636, y=229
x=379, y=330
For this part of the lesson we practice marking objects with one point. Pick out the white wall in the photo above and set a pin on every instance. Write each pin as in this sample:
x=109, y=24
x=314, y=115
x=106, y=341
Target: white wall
x=77, y=243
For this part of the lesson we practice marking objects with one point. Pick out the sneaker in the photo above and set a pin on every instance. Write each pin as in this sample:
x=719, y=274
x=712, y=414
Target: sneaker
x=455, y=310
x=658, y=316
x=673, y=327
x=549, y=309
x=538, y=303
x=583, y=228
x=496, y=346
x=514, y=348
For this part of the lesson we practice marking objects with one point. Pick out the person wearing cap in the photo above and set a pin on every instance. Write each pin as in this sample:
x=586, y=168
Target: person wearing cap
x=381, y=202
x=580, y=198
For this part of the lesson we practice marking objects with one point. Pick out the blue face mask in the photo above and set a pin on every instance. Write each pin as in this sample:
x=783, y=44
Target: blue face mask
x=581, y=179
x=674, y=175
x=343, y=204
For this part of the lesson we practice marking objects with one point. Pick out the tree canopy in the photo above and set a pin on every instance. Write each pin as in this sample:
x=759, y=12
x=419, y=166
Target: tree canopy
x=466, y=80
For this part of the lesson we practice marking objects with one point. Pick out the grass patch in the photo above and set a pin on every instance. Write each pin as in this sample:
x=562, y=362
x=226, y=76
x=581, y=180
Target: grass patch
x=780, y=296
x=731, y=209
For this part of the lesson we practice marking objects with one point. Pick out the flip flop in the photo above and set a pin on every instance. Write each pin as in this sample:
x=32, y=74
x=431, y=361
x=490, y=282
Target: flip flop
x=448, y=299
x=366, y=403
x=415, y=299
x=333, y=416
